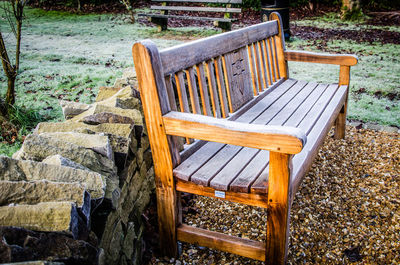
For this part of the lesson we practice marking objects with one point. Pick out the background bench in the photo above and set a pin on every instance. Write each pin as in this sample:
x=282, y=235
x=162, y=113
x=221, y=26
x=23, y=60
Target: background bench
x=257, y=130
x=218, y=6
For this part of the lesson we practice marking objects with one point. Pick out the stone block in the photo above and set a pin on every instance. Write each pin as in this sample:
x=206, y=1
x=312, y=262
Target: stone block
x=95, y=142
x=106, y=92
x=21, y=245
x=62, y=161
x=38, y=147
x=34, y=192
x=106, y=117
x=17, y=170
x=71, y=109
x=45, y=216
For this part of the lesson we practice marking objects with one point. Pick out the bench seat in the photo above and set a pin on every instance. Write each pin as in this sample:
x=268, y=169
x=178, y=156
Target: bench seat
x=308, y=106
x=188, y=17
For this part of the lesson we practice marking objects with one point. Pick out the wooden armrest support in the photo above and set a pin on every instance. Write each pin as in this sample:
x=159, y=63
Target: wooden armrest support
x=280, y=139
x=312, y=57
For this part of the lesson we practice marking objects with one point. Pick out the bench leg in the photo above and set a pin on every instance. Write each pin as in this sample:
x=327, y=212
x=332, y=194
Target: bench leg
x=278, y=214
x=162, y=23
x=225, y=26
x=167, y=210
x=340, y=123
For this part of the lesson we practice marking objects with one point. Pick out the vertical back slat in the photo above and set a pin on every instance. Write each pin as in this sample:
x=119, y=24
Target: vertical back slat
x=266, y=58
x=227, y=84
x=273, y=59
x=280, y=47
x=205, y=100
x=262, y=62
x=221, y=86
x=181, y=89
x=194, y=98
x=182, y=96
x=252, y=70
x=258, y=67
x=213, y=89
x=170, y=93
x=274, y=49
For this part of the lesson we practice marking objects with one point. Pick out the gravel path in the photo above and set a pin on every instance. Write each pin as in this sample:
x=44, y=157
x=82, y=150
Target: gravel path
x=346, y=210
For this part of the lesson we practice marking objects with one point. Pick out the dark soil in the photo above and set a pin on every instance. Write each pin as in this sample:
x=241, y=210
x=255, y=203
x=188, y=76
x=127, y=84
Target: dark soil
x=375, y=35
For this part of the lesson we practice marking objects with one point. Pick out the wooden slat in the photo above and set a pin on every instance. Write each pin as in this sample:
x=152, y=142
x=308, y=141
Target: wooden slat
x=221, y=87
x=194, y=98
x=301, y=163
x=229, y=172
x=181, y=89
x=212, y=88
x=203, y=1
x=205, y=100
x=170, y=92
x=280, y=118
x=227, y=84
x=312, y=57
x=252, y=69
x=274, y=138
x=152, y=86
x=258, y=66
x=267, y=61
x=202, y=50
x=274, y=62
x=262, y=63
x=280, y=47
x=304, y=117
x=206, y=173
x=194, y=159
x=187, y=17
x=198, y=9
x=259, y=200
x=236, y=245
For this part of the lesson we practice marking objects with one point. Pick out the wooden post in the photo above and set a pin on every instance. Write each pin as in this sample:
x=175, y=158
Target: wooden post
x=340, y=123
x=280, y=46
x=278, y=208
x=152, y=88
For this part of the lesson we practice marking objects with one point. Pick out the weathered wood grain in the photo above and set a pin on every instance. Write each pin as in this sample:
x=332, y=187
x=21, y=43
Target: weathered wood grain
x=204, y=1
x=340, y=123
x=259, y=200
x=280, y=46
x=146, y=59
x=252, y=70
x=197, y=9
x=312, y=57
x=194, y=98
x=278, y=210
x=212, y=88
x=162, y=16
x=236, y=245
x=273, y=138
x=211, y=47
x=205, y=100
x=221, y=87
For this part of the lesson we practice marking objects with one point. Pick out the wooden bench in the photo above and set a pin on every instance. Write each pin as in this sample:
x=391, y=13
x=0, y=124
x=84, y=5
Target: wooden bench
x=225, y=22
x=257, y=130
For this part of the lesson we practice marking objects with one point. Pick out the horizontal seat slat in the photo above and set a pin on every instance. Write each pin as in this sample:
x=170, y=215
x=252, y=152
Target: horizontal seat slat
x=303, y=161
x=198, y=9
x=204, y=1
x=238, y=169
x=272, y=115
x=205, y=49
x=311, y=110
x=206, y=152
x=187, y=17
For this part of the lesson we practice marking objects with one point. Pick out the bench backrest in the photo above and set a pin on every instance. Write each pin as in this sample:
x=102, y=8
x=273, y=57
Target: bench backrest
x=214, y=76
x=226, y=9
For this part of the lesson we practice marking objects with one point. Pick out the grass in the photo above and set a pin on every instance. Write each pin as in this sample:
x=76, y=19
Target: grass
x=69, y=56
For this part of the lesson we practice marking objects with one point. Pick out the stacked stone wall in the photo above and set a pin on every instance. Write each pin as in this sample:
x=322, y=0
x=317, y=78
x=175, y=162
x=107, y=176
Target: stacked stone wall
x=76, y=190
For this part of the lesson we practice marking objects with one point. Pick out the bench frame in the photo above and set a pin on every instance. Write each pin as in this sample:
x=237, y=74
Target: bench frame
x=162, y=123
x=161, y=20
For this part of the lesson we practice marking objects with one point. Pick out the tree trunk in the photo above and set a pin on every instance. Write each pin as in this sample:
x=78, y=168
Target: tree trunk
x=351, y=10
x=10, y=96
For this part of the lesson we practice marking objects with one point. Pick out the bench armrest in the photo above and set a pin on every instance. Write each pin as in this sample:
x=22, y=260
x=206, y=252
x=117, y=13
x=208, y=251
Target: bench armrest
x=312, y=57
x=289, y=140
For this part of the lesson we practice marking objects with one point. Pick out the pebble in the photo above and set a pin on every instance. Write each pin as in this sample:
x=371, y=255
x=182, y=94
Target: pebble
x=349, y=200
